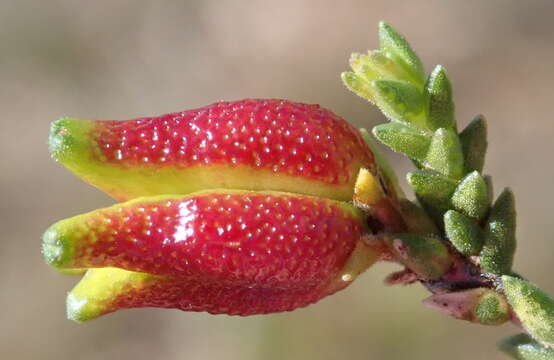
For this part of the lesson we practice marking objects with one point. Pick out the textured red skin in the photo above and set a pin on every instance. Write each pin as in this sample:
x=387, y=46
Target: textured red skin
x=194, y=294
x=244, y=255
x=278, y=135
x=244, y=238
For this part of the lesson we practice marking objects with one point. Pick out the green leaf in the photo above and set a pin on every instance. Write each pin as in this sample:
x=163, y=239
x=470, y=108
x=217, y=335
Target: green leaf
x=445, y=154
x=474, y=144
x=471, y=197
x=523, y=347
x=433, y=191
x=500, y=241
x=431, y=185
x=357, y=84
x=403, y=139
x=463, y=233
x=424, y=255
x=479, y=305
x=397, y=48
x=533, y=307
x=492, y=309
x=441, y=106
x=400, y=101
x=416, y=219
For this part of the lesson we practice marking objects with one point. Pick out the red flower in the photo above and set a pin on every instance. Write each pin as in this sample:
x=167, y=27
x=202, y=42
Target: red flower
x=242, y=210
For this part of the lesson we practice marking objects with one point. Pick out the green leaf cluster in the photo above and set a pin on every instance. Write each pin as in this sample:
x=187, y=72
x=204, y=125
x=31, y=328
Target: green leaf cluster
x=448, y=183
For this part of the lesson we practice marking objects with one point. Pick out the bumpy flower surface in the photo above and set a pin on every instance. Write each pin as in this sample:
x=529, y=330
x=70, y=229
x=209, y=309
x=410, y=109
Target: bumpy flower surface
x=248, y=144
x=239, y=208
x=261, y=251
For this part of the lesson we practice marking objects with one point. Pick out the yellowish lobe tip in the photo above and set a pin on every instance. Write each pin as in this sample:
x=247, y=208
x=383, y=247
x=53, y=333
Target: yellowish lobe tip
x=367, y=189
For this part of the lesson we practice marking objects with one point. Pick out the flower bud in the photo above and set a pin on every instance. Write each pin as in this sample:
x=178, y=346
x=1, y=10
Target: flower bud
x=236, y=208
x=251, y=144
x=233, y=252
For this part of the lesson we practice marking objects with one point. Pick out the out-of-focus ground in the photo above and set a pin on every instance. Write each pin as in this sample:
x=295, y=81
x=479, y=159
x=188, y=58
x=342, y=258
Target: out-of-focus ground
x=122, y=59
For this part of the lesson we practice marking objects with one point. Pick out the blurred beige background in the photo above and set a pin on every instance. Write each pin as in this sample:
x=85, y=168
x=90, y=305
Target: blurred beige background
x=122, y=59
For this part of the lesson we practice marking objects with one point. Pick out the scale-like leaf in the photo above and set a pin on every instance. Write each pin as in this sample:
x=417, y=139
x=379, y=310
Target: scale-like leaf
x=441, y=106
x=404, y=139
x=445, y=154
x=480, y=305
x=474, y=144
x=424, y=255
x=471, y=196
x=432, y=186
x=357, y=84
x=400, y=101
x=533, y=307
x=500, y=241
x=463, y=233
x=398, y=49
x=416, y=219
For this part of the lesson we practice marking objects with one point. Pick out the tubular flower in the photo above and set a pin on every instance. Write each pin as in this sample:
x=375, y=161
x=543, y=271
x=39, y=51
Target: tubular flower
x=238, y=207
